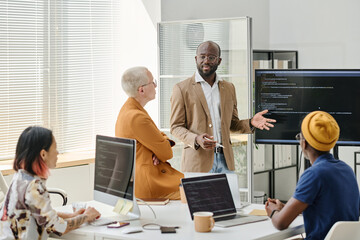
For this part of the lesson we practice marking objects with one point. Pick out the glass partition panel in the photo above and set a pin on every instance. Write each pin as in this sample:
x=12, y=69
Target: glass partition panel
x=178, y=42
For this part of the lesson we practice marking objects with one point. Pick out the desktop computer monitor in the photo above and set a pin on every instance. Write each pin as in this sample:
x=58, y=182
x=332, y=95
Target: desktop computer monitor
x=115, y=172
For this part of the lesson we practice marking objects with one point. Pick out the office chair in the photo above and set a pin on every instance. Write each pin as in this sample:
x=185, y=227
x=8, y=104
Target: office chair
x=4, y=188
x=344, y=230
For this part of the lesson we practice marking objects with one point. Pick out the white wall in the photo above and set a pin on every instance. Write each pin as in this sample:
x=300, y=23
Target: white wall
x=173, y=10
x=326, y=34
x=138, y=39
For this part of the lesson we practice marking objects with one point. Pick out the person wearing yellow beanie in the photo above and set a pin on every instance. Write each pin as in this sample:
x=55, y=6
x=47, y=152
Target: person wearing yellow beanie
x=328, y=180
x=320, y=130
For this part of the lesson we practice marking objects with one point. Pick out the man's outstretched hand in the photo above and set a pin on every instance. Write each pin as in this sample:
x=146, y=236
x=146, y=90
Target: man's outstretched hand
x=260, y=122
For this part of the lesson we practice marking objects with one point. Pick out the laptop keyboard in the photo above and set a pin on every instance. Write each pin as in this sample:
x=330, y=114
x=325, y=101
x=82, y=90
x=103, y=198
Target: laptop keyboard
x=234, y=220
x=102, y=221
x=228, y=217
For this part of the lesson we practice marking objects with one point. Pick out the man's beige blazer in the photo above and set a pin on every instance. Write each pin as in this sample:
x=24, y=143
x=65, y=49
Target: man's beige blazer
x=190, y=117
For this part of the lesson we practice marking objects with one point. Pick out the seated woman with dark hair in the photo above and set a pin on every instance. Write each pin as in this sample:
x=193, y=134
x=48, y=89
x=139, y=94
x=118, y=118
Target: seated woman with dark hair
x=26, y=212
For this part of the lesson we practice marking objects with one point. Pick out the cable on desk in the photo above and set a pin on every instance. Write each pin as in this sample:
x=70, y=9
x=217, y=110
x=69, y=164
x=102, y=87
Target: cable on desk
x=138, y=199
x=151, y=226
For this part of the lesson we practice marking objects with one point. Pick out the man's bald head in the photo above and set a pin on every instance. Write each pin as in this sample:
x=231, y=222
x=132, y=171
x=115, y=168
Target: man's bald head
x=207, y=43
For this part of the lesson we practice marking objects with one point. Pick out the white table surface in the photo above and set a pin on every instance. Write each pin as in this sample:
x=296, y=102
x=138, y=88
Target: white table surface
x=176, y=213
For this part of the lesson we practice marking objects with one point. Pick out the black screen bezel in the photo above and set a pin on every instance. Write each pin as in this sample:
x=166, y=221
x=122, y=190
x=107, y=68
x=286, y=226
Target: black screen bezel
x=259, y=139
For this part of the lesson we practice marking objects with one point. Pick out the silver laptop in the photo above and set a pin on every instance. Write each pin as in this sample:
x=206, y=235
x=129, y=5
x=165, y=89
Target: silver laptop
x=233, y=184
x=212, y=194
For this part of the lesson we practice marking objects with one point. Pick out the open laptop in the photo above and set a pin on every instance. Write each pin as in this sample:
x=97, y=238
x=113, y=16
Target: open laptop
x=233, y=184
x=212, y=193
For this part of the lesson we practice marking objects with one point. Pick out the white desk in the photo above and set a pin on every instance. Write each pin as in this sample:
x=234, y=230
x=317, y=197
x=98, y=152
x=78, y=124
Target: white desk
x=177, y=214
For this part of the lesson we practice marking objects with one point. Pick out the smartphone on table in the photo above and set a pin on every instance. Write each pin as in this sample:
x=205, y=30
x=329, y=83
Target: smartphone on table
x=118, y=225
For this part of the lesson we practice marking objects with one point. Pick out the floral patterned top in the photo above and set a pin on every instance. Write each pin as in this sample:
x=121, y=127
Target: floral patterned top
x=26, y=212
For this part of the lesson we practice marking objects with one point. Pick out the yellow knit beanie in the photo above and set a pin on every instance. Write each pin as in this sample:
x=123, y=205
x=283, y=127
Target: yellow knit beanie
x=320, y=130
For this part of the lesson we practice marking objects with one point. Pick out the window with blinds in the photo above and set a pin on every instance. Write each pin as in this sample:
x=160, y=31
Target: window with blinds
x=57, y=67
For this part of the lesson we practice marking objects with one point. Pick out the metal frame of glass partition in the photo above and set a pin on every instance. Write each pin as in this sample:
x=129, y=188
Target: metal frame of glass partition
x=250, y=172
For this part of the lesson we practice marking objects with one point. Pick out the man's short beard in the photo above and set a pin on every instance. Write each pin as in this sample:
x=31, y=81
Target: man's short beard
x=212, y=70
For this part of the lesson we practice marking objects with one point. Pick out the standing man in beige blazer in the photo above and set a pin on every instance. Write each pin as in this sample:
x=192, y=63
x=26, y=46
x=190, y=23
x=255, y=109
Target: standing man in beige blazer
x=204, y=111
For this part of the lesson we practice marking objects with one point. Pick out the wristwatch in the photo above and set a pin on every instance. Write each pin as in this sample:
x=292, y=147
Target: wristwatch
x=251, y=126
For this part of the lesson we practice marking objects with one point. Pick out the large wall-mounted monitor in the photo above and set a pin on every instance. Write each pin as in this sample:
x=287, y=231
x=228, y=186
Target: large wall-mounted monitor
x=114, y=172
x=290, y=95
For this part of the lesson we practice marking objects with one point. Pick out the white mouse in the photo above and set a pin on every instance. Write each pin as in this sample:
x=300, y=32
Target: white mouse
x=129, y=230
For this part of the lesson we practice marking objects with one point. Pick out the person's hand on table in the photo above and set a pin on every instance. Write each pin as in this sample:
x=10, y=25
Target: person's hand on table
x=91, y=214
x=273, y=204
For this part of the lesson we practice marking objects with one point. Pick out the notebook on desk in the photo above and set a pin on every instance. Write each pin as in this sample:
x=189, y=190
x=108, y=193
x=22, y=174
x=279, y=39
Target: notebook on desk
x=212, y=193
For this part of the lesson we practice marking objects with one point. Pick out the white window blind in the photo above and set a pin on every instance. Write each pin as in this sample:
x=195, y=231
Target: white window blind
x=57, y=67
x=21, y=70
x=82, y=62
